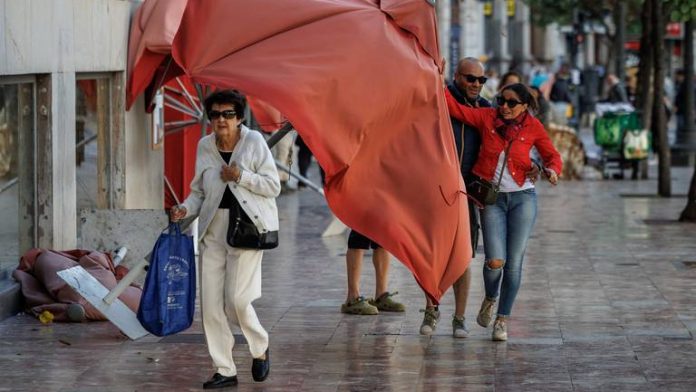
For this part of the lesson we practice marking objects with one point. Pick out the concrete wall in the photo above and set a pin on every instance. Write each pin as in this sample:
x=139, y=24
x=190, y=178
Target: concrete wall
x=60, y=38
x=144, y=166
x=472, y=36
x=45, y=36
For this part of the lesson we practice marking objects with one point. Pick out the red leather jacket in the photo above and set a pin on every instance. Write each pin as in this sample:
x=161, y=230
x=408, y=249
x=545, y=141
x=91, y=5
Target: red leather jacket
x=532, y=133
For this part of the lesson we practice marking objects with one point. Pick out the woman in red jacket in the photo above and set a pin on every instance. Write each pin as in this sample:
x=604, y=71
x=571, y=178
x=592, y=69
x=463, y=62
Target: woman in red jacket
x=508, y=223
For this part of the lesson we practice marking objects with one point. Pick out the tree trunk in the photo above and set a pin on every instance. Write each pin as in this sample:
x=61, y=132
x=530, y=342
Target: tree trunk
x=689, y=213
x=688, y=55
x=645, y=70
x=659, y=121
x=619, y=39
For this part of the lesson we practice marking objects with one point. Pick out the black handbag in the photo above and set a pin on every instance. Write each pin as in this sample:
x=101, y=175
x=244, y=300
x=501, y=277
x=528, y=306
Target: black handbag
x=483, y=192
x=242, y=232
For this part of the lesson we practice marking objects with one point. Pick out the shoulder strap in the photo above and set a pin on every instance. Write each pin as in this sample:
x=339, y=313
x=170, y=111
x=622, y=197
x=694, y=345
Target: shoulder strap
x=500, y=179
x=461, y=153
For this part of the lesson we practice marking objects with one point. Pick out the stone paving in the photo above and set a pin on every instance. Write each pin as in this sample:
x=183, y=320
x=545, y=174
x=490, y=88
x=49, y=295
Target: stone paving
x=606, y=304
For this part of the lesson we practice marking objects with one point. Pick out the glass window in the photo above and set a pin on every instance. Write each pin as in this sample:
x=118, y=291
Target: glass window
x=16, y=134
x=92, y=130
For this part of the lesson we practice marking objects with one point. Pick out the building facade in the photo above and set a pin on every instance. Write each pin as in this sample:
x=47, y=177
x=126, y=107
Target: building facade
x=66, y=141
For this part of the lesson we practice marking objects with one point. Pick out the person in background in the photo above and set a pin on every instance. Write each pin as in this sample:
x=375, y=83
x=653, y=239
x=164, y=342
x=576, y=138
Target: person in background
x=282, y=152
x=468, y=82
x=543, y=112
x=304, y=160
x=235, y=177
x=510, y=77
x=382, y=301
x=616, y=92
x=490, y=89
x=508, y=133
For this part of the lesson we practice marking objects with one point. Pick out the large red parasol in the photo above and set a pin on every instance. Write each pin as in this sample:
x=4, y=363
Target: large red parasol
x=152, y=31
x=360, y=81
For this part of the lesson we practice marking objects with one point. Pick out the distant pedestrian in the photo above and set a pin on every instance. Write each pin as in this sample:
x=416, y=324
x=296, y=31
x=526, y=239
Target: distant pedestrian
x=507, y=133
x=510, y=77
x=382, y=301
x=616, y=90
x=304, y=160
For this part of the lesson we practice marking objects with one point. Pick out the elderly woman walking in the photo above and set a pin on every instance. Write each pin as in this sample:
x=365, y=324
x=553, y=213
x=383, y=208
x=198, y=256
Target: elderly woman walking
x=235, y=177
x=508, y=133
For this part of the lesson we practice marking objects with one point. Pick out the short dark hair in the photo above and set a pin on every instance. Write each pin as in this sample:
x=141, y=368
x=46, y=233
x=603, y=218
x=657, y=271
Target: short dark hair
x=508, y=75
x=525, y=95
x=227, y=97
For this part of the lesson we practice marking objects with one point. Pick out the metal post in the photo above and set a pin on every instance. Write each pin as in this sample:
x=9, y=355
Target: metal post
x=300, y=178
x=126, y=281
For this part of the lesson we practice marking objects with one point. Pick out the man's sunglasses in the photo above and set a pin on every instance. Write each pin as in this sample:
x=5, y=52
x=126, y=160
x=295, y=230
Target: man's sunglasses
x=226, y=114
x=511, y=103
x=471, y=78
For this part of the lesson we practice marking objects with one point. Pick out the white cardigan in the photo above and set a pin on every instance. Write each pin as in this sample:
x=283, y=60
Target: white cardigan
x=256, y=191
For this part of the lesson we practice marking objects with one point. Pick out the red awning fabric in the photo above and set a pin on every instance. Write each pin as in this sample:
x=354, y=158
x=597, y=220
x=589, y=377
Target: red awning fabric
x=152, y=31
x=360, y=81
x=268, y=117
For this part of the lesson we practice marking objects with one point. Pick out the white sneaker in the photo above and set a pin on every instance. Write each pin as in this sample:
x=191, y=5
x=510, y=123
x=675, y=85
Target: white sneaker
x=499, y=331
x=430, y=320
x=459, y=327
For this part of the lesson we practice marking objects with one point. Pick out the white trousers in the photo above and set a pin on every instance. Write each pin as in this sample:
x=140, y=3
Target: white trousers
x=230, y=281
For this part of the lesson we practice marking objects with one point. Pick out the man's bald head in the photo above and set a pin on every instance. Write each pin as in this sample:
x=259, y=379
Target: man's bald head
x=468, y=64
x=469, y=78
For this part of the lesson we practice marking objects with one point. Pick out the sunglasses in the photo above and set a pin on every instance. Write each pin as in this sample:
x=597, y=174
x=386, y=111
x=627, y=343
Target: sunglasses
x=471, y=78
x=511, y=103
x=226, y=114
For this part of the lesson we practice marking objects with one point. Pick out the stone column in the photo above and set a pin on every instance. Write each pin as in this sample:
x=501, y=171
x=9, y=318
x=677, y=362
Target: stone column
x=519, y=31
x=471, y=19
x=497, y=37
x=444, y=21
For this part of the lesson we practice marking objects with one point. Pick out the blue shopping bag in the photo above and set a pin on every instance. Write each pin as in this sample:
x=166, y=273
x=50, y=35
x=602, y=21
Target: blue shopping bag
x=169, y=295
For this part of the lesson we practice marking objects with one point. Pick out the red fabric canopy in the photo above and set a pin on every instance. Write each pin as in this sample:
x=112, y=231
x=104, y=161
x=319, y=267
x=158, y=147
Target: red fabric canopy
x=360, y=81
x=152, y=31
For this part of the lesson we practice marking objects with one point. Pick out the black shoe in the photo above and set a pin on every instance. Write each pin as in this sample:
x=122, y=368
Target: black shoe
x=261, y=367
x=220, y=381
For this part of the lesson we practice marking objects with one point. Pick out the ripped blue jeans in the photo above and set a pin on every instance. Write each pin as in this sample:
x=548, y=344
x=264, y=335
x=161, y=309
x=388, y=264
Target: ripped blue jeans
x=507, y=225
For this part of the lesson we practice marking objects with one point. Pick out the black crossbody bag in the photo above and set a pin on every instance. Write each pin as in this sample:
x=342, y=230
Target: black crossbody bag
x=242, y=232
x=483, y=192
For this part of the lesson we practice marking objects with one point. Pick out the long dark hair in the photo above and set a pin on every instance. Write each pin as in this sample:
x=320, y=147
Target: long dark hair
x=525, y=95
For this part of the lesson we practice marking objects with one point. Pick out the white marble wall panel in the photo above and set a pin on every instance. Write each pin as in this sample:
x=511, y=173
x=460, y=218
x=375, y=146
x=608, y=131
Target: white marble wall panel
x=144, y=188
x=472, y=35
x=45, y=36
x=64, y=33
x=43, y=52
x=137, y=230
x=17, y=36
x=63, y=151
x=3, y=30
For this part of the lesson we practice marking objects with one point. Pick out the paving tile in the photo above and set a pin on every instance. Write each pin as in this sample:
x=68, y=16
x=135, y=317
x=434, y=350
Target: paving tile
x=605, y=305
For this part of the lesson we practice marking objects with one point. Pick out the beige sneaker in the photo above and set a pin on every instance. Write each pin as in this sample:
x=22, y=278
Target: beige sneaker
x=459, y=327
x=485, y=314
x=386, y=304
x=359, y=306
x=499, y=331
x=430, y=320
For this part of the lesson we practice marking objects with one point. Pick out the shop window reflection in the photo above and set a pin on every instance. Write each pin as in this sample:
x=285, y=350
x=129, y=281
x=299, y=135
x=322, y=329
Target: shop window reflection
x=16, y=121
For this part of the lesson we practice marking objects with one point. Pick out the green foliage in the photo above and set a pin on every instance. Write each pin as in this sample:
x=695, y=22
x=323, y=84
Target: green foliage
x=561, y=11
x=680, y=10
x=548, y=11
